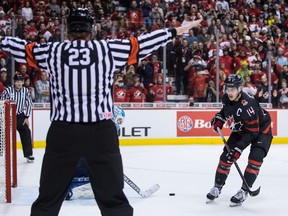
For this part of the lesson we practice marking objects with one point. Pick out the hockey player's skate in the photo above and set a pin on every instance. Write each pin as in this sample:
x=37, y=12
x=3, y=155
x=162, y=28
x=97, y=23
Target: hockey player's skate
x=238, y=198
x=213, y=194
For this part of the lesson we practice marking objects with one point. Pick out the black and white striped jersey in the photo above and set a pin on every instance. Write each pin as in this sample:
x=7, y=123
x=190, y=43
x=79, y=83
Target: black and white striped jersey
x=21, y=97
x=81, y=72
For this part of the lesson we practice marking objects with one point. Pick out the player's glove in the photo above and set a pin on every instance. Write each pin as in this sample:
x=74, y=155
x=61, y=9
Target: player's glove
x=217, y=122
x=234, y=154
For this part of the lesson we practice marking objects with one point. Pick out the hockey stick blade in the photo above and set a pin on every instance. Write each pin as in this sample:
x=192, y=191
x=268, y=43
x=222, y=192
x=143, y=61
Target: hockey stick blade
x=150, y=191
x=254, y=193
x=143, y=194
x=251, y=193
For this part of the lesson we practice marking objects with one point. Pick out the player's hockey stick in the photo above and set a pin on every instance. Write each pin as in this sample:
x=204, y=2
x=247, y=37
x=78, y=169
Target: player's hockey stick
x=143, y=194
x=252, y=193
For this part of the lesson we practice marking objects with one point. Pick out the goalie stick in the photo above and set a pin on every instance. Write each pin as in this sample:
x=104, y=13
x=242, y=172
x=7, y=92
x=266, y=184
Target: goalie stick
x=118, y=119
x=79, y=181
x=143, y=194
x=252, y=193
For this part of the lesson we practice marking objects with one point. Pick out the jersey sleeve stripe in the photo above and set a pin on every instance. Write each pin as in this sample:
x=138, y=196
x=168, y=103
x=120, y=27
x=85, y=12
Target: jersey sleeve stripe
x=134, y=51
x=253, y=129
x=256, y=121
x=267, y=129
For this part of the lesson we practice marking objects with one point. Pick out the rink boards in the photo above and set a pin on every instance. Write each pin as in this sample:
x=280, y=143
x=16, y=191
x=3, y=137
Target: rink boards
x=162, y=126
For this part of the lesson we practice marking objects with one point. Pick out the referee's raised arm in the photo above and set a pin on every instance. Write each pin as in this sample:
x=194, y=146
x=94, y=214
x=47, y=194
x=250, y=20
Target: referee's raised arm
x=133, y=50
x=25, y=52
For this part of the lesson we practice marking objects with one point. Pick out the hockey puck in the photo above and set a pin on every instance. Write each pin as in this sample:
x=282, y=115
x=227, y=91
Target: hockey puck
x=171, y=194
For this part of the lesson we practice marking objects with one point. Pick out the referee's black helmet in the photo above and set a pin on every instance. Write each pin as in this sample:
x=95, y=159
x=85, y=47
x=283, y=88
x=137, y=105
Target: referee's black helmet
x=80, y=20
x=18, y=77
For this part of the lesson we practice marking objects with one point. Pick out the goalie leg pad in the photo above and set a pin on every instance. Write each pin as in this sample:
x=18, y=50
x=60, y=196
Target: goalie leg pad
x=79, y=181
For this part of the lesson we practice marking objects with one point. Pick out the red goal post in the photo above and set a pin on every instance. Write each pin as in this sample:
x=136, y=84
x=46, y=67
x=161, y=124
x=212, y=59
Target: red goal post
x=8, y=154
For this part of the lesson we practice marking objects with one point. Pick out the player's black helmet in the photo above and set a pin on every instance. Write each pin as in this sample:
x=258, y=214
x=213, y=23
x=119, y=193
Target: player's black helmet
x=233, y=80
x=18, y=77
x=80, y=20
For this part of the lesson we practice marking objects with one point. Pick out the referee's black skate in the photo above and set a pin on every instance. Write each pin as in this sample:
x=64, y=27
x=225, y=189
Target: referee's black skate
x=213, y=194
x=30, y=159
x=238, y=198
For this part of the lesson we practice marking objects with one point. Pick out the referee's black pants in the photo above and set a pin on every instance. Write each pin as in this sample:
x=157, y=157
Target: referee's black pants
x=98, y=144
x=25, y=135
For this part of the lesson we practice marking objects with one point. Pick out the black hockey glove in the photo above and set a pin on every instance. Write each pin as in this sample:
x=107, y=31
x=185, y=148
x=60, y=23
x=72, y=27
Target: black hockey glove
x=234, y=154
x=217, y=122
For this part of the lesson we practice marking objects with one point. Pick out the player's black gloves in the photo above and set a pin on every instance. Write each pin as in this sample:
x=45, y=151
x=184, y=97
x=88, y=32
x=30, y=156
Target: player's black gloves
x=217, y=122
x=234, y=154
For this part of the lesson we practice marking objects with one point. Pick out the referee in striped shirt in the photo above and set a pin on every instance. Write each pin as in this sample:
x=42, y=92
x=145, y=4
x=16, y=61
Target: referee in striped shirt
x=23, y=100
x=81, y=80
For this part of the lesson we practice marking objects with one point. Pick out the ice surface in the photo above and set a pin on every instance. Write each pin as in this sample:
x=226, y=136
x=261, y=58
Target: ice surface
x=187, y=171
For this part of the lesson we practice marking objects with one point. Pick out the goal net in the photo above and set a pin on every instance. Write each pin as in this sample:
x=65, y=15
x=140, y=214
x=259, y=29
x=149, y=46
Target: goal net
x=8, y=168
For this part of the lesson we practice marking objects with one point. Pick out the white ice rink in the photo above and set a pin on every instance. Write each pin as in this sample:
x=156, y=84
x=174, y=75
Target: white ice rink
x=187, y=171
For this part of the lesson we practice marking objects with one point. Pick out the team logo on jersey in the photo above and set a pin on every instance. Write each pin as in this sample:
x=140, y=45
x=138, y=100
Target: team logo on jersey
x=234, y=126
x=244, y=102
x=134, y=15
x=185, y=123
x=137, y=94
x=121, y=94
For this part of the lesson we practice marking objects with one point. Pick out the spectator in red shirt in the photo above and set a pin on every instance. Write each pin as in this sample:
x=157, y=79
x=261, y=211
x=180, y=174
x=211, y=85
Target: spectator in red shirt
x=254, y=25
x=120, y=90
x=158, y=89
x=200, y=84
x=31, y=29
x=227, y=60
x=3, y=54
x=137, y=92
x=253, y=9
x=157, y=67
x=4, y=79
x=134, y=16
x=256, y=75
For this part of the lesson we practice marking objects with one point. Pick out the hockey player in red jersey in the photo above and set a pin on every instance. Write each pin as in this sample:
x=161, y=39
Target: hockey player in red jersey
x=250, y=126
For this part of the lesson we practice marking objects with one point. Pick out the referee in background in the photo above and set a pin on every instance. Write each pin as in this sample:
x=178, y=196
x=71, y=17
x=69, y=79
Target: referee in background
x=81, y=81
x=23, y=100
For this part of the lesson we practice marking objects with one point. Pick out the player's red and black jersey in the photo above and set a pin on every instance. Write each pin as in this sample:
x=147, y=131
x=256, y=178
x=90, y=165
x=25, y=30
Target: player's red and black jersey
x=246, y=117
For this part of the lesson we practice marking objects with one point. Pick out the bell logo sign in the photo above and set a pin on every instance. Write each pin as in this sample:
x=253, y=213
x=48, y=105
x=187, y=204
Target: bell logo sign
x=184, y=123
x=198, y=124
